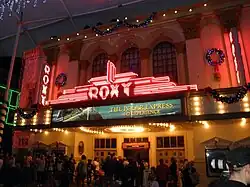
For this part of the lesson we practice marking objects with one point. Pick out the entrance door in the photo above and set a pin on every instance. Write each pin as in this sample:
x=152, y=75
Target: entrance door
x=137, y=154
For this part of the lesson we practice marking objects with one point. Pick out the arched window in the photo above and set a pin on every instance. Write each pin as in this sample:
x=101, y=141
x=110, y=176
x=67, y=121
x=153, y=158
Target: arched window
x=99, y=66
x=131, y=61
x=164, y=61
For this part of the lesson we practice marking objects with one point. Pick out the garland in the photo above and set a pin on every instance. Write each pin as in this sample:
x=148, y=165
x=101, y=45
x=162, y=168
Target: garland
x=126, y=24
x=218, y=52
x=28, y=115
x=61, y=80
x=238, y=96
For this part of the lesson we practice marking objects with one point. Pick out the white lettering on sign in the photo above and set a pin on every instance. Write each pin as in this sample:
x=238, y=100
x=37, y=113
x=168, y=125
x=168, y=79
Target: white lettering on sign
x=111, y=91
x=45, y=84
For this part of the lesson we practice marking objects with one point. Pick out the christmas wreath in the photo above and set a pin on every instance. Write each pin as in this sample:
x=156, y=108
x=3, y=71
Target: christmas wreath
x=61, y=80
x=215, y=62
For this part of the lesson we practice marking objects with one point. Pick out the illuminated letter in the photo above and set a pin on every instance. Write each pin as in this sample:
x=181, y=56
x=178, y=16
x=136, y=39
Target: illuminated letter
x=43, y=99
x=114, y=90
x=111, y=72
x=47, y=69
x=126, y=88
x=44, y=89
x=93, y=93
x=45, y=79
x=104, y=92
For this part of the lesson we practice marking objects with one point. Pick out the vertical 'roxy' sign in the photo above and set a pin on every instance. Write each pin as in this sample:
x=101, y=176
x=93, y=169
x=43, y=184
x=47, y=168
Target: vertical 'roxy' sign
x=45, y=84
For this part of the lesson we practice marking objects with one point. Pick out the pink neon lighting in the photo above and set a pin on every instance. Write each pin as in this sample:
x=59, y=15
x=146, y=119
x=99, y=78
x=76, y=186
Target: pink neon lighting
x=234, y=57
x=119, y=85
x=45, y=83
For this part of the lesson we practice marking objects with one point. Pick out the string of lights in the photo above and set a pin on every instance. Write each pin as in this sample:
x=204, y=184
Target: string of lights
x=124, y=23
x=7, y=7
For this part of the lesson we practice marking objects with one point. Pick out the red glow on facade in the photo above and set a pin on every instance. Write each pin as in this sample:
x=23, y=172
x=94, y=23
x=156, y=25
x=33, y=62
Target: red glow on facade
x=234, y=57
x=45, y=84
x=120, y=85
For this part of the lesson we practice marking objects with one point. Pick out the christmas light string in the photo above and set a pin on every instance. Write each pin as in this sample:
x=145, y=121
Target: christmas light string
x=126, y=24
x=10, y=6
x=238, y=96
x=25, y=115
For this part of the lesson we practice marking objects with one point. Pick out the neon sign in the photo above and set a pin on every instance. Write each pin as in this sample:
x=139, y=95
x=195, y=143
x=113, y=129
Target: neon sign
x=45, y=83
x=121, y=85
x=234, y=57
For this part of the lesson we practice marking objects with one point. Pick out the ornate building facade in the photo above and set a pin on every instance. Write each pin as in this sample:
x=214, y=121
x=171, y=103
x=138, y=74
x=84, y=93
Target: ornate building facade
x=176, y=44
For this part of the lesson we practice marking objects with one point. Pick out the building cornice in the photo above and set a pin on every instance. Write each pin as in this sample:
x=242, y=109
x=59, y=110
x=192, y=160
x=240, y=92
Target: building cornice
x=162, y=18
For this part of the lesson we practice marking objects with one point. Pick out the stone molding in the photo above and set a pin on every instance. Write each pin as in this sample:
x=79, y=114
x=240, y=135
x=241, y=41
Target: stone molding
x=51, y=54
x=229, y=18
x=190, y=26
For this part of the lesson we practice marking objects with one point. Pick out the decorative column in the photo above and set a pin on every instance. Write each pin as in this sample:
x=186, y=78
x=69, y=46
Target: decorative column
x=146, y=66
x=83, y=64
x=62, y=66
x=73, y=72
x=230, y=21
x=245, y=39
x=52, y=56
x=182, y=63
x=195, y=65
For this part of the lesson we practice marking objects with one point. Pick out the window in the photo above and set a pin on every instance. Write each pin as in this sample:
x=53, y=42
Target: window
x=99, y=66
x=136, y=140
x=105, y=143
x=164, y=61
x=170, y=142
x=131, y=61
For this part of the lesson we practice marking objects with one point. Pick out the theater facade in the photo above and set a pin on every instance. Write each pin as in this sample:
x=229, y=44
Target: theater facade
x=172, y=89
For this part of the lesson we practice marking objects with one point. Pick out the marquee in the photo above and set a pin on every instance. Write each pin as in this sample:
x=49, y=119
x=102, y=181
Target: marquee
x=122, y=85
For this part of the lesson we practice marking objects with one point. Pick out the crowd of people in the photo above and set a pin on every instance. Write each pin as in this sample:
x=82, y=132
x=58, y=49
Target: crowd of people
x=63, y=171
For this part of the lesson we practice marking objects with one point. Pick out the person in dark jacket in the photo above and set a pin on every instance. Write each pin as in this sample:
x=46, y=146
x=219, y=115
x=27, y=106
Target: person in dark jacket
x=238, y=161
x=162, y=173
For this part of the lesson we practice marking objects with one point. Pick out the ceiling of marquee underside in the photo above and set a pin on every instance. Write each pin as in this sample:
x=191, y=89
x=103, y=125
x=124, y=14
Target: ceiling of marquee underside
x=82, y=12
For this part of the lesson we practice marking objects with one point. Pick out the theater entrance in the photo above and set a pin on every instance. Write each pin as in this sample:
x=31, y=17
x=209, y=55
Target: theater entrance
x=136, y=151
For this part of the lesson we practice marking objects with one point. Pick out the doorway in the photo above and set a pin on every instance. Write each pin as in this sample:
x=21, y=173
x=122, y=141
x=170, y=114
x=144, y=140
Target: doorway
x=137, y=154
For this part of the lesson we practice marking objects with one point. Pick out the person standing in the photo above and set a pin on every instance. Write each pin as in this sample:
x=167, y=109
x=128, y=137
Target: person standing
x=238, y=161
x=81, y=170
x=173, y=172
x=162, y=173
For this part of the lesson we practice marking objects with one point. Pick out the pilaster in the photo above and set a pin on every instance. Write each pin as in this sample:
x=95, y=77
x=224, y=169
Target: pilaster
x=229, y=18
x=190, y=26
x=182, y=63
x=146, y=66
x=83, y=67
x=74, y=49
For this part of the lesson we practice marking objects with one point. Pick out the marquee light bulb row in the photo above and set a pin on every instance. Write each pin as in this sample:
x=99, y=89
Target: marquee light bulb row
x=118, y=20
x=88, y=130
x=166, y=125
x=10, y=6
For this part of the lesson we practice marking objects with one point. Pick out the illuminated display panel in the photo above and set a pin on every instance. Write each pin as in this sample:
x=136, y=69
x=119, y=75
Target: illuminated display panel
x=122, y=111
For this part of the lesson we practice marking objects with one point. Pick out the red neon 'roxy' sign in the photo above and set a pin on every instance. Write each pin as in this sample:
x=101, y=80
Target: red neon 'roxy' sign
x=45, y=84
x=119, y=85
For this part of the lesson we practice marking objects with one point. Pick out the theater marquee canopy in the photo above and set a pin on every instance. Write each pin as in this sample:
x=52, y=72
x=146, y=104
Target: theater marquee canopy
x=115, y=86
